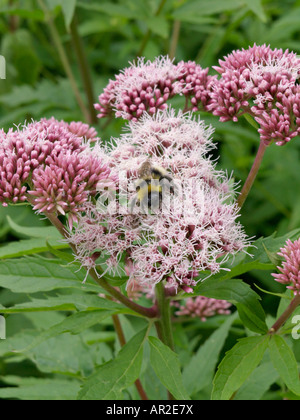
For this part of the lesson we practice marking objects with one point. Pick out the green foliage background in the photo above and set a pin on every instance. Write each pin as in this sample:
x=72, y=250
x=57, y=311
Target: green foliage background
x=115, y=33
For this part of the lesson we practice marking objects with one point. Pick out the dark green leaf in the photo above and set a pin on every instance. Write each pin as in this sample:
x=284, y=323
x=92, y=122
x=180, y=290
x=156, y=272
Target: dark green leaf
x=113, y=377
x=237, y=366
x=200, y=370
x=285, y=363
x=167, y=368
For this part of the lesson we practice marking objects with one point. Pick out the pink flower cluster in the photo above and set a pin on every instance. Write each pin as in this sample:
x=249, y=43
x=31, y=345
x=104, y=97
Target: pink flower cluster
x=196, y=228
x=203, y=307
x=197, y=85
x=261, y=82
x=147, y=86
x=50, y=165
x=290, y=267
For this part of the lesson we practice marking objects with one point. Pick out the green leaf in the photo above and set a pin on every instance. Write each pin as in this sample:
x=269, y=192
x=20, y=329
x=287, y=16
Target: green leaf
x=113, y=377
x=31, y=389
x=198, y=8
x=32, y=275
x=237, y=366
x=74, y=324
x=68, y=9
x=28, y=247
x=258, y=383
x=241, y=295
x=167, y=368
x=72, y=302
x=64, y=256
x=256, y=7
x=158, y=25
x=199, y=372
x=285, y=363
x=34, y=14
x=33, y=231
x=111, y=9
x=64, y=353
x=252, y=319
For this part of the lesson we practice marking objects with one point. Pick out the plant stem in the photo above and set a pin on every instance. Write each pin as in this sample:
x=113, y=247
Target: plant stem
x=252, y=174
x=149, y=32
x=164, y=325
x=286, y=314
x=147, y=312
x=163, y=305
x=64, y=59
x=174, y=39
x=84, y=69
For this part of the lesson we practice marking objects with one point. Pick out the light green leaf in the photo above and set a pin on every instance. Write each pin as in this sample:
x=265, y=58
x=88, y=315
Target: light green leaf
x=72, y=302
x=29, y=247
x=256, y=7
x=167, y=368
x=74, y=324
x=32, y=275
x=200, y=370
x=34, y=232
x=32, y=389
x=258, y=383
x=158, y=25
x=237, y=366
x=198, y=8
x=285, y=363
x=113, y=377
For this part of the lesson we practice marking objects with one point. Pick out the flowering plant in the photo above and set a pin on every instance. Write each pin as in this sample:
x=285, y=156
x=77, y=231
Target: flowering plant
x=145, y=237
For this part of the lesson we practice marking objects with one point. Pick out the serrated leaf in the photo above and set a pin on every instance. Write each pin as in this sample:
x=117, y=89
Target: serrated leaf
x=72, y=302
x=167, y=368
x=32, y=275
x=73, y=324
x=200, y=370
x=113, y=377
x=285, y=363
x=237, y=366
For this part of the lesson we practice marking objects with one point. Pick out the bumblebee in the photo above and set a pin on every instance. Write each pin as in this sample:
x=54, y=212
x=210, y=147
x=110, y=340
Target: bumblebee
x=153, y=183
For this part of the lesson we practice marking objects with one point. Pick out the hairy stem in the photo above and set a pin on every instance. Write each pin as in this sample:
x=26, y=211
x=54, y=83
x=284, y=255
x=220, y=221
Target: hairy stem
x=84, y=69
x=286, y=314
x=252, y=174
x=64, y=59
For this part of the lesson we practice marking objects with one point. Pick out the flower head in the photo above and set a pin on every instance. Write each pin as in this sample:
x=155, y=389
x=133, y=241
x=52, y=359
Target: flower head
x=195, y=229
x=142, y=87
x=203, y=307
x=197, y=84
x=290, y=267
x=262, y=82
x=52, y=164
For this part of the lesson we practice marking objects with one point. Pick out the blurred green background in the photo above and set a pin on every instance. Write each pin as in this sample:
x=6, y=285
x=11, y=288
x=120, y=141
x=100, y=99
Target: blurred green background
x=60, y=54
